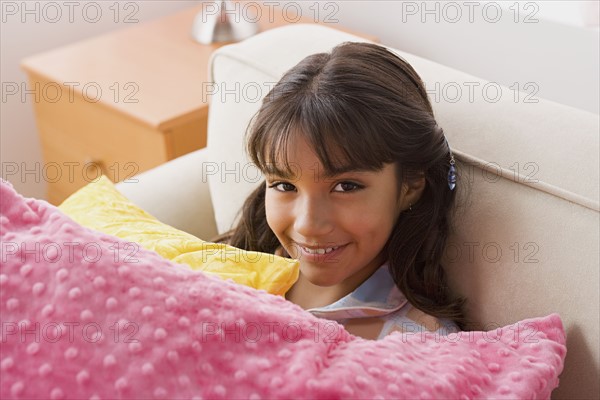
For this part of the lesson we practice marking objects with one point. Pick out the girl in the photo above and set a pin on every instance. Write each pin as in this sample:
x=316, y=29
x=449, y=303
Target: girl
x=359, y=186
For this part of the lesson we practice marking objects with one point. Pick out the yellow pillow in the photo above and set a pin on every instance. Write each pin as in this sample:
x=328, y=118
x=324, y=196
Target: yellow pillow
x=100, y=206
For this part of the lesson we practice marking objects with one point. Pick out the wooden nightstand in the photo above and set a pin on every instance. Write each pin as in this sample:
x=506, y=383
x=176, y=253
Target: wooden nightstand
x=123, y=102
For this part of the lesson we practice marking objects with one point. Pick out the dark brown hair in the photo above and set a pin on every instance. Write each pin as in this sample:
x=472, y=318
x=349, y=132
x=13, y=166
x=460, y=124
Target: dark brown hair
x=362, y=106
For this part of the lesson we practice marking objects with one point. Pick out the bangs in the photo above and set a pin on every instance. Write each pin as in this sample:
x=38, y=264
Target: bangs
x=342, y=138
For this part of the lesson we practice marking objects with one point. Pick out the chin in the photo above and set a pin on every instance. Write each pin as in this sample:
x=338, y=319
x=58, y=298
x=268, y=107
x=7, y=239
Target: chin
x=318, y=278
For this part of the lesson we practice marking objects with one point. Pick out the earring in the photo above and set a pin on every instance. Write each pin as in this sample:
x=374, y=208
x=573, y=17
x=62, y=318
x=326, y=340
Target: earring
x=452, y=169
x=409, y=206
x=452, y=173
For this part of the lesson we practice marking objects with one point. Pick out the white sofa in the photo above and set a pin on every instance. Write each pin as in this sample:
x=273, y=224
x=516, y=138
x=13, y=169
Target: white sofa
x=526, y=240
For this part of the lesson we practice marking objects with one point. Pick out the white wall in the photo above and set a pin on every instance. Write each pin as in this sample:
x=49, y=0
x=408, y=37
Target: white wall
x=545, y=43
x=555, y=53
x=21, y=35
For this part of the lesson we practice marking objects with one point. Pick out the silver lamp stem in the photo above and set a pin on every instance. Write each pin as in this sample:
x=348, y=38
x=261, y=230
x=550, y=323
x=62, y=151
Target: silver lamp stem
x=223, y=21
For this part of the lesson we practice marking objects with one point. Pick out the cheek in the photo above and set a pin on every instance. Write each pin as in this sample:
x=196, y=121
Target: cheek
x=377, y=219
x=371, y=225
x=276, y=214
x=383, y=204
x=279, y=219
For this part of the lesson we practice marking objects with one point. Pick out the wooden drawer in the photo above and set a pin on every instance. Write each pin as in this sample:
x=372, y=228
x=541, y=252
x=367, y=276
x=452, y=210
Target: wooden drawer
x=82, y=139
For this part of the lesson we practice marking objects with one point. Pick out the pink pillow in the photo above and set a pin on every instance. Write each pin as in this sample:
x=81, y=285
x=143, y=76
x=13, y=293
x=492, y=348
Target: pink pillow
x=86, y=315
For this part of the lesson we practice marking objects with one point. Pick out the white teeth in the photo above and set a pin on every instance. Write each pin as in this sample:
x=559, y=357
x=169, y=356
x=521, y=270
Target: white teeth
x=320, y=251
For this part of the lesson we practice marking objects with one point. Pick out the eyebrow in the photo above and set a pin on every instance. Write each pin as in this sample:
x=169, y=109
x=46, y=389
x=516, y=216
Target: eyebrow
x=289, y=173
x=348, y=170
x=271, y=170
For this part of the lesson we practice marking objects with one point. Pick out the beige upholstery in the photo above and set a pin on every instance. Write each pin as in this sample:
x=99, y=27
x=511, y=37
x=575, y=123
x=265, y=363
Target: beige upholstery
x=526, y=241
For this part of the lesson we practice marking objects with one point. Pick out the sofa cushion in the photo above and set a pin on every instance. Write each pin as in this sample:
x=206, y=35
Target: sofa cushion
x=526, y=239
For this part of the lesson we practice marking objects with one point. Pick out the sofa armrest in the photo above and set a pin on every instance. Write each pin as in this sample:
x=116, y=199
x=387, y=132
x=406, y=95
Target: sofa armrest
x=177, y=193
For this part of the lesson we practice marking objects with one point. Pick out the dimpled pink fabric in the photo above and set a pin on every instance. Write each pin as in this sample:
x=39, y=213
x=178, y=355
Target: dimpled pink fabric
x=108, y=320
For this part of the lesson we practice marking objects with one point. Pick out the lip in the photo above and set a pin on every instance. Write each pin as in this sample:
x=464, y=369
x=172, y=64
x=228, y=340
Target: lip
x=319, y=258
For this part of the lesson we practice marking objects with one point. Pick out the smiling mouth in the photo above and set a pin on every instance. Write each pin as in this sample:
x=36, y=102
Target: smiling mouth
x=320, y=251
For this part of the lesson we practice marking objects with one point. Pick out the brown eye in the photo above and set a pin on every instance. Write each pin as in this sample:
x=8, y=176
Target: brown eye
x=347, y=187
x=282, y=187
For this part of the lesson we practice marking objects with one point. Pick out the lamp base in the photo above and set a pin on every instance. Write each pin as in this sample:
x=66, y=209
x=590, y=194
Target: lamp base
x=223, y=22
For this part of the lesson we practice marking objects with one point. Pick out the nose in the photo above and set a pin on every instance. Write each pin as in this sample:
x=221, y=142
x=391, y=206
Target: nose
x=313, y=218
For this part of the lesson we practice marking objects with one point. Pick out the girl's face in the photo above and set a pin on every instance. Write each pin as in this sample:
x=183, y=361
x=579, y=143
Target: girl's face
x=335, y=226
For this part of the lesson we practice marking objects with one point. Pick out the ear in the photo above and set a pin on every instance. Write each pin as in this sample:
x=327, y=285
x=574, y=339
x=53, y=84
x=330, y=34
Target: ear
x=411, y=193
